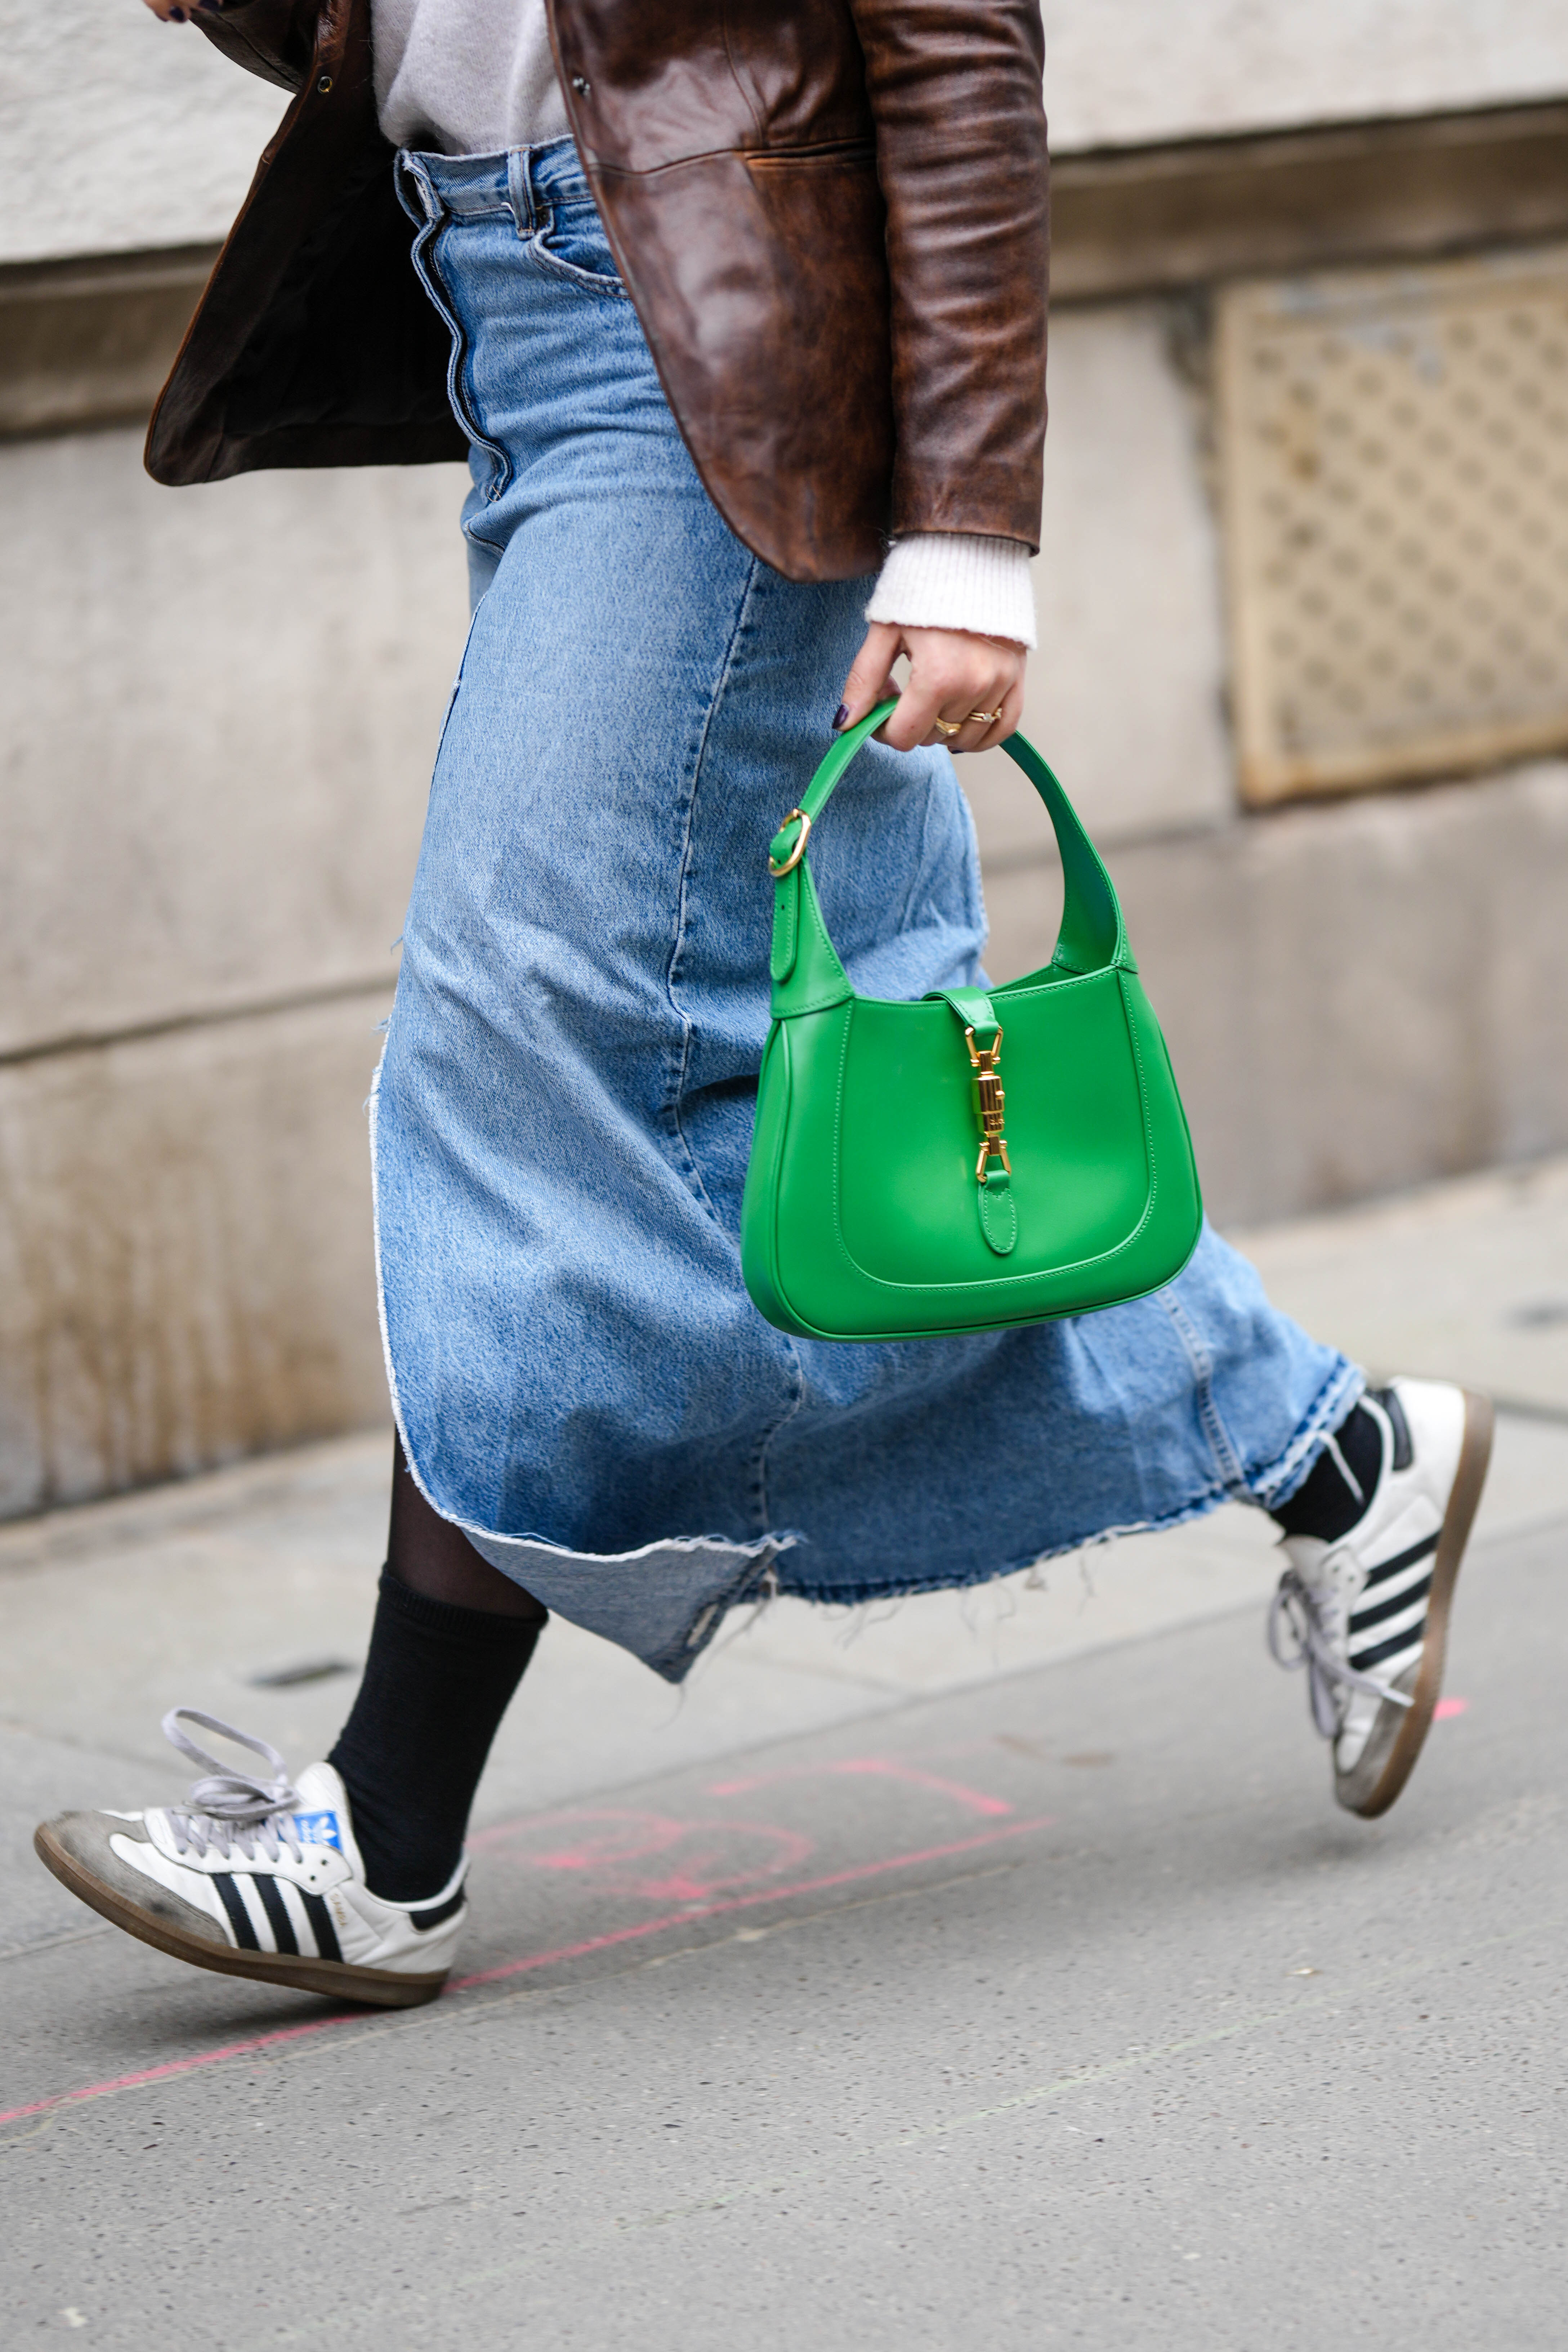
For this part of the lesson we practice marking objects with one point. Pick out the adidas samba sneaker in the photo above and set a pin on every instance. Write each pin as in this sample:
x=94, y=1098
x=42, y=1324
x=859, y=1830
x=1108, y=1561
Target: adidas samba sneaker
x=1367, y=1615
x=258, y=1878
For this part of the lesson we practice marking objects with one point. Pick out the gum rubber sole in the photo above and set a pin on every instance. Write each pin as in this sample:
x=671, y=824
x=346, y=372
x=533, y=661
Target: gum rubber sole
x=338, y=1979
x=1391, y=1771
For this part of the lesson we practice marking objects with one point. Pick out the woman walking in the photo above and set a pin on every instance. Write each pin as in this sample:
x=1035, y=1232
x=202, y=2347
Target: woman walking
x=738, y=315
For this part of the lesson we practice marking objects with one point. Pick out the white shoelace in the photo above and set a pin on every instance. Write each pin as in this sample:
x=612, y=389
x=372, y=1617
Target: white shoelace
x=1297, y=1612
x=231, y=1810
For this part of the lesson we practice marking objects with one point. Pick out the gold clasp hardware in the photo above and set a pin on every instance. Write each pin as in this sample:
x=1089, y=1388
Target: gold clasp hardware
x=989, y=1101
x=795, y=816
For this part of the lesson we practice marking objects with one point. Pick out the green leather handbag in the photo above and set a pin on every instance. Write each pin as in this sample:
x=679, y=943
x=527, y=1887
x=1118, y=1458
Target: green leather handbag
x=895, y=1190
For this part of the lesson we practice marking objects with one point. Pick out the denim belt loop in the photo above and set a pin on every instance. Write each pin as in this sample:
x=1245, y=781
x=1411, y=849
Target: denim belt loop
x=416, y=191
x=520, y=190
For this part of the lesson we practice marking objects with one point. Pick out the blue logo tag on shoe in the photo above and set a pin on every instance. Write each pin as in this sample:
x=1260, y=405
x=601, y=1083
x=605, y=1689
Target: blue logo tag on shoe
x=318, y=1829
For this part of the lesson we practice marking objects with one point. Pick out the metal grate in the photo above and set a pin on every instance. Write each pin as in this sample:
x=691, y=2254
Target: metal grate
x=1394, y=452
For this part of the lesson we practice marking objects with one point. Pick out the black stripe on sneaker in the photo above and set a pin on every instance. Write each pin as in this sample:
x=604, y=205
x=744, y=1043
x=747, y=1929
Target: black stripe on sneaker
x=245, y=1935
x=272, y=1902
x=321, y=1927
x=1411, y=1639
x=1364, y=1619
x=1387, y=1568
x=439, y=1911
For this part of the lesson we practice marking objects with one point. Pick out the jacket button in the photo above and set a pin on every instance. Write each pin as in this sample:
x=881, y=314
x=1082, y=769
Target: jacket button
x=323, y=83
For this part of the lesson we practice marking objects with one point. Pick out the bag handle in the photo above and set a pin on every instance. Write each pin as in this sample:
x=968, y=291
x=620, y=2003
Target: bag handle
x=1092, y=935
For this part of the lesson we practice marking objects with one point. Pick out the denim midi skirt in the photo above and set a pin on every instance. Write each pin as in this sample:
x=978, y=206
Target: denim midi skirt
x=564, y=1110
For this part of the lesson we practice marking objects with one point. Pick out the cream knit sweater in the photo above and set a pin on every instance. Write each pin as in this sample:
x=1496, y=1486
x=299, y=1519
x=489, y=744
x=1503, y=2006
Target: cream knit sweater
x=473, y=76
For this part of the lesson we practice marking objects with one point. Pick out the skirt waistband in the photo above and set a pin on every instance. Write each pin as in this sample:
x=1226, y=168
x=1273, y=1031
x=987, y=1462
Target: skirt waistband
x=524, y=180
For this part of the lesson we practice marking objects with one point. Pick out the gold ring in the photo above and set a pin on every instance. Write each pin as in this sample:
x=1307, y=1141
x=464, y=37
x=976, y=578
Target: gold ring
x=989, y=717
x=798, y=851
x=948, y=725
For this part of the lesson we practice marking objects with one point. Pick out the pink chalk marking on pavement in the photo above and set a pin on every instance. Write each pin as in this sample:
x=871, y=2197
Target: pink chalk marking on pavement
x=1447, y=1707
x=743, y=1903
x=259, y=2042
x=601, y=1842
x=883, y=1768
x=617, y=1834
x=178, y=2066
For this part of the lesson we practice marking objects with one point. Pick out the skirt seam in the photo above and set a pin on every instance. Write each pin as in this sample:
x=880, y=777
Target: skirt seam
x=688, y=1157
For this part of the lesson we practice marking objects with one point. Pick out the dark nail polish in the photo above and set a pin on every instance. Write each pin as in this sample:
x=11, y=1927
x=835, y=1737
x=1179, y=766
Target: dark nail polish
x=839, y=716
x=176, y=15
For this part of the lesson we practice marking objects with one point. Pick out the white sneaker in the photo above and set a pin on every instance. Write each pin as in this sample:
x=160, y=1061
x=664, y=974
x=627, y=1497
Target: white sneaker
x=258, y=1878
x=1368, y=1615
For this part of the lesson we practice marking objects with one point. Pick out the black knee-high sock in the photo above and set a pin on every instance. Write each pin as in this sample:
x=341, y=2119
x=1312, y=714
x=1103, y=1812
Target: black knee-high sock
x=1325, y=1505
x=436, y=1683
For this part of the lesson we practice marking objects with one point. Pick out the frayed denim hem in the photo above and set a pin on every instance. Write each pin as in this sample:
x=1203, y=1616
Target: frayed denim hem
x=1261, y=1489
x=1274, y=1483
x=854, y=1596
x=1278, y=1480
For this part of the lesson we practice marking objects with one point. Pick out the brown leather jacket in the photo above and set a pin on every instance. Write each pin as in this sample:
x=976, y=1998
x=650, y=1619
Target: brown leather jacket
x=831, y=216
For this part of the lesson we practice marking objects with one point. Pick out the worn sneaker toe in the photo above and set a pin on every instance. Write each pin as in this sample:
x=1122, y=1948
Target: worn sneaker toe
x=92, y=1853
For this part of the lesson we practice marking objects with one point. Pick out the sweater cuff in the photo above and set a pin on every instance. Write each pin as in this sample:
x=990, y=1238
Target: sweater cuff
x=951, y=580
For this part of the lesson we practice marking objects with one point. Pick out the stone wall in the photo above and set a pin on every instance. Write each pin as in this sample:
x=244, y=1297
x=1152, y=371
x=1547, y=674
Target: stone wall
x=220, y=710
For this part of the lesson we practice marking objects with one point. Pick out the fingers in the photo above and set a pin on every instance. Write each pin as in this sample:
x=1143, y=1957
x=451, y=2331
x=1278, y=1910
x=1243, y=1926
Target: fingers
x=976, y=727
x=990, y=724
x=963, y=690
x=930, y=694
x=870, y=680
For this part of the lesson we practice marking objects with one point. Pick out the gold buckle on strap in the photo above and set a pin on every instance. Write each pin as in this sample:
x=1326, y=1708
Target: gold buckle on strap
x=798, y=851
x=989, y=1102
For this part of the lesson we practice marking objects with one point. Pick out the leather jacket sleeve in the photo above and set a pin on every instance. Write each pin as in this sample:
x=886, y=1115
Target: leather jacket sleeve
x=955, y=92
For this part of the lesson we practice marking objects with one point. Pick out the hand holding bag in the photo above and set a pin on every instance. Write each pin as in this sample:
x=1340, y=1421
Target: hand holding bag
x=979, y=1159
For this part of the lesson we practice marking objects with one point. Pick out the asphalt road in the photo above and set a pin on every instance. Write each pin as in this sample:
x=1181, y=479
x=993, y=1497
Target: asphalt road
x=1062, y=2009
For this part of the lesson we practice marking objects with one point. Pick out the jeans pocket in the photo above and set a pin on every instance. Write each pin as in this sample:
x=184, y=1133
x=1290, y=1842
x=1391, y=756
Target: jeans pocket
x=572, y=243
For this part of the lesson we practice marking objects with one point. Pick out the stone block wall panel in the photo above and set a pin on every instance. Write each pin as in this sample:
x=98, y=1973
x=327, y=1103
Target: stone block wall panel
x=219, y=708
x=186, y=1265
x=1125, y=694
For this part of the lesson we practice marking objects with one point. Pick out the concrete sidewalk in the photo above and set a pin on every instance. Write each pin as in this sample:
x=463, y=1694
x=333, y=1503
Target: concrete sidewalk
x=955, y=1903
